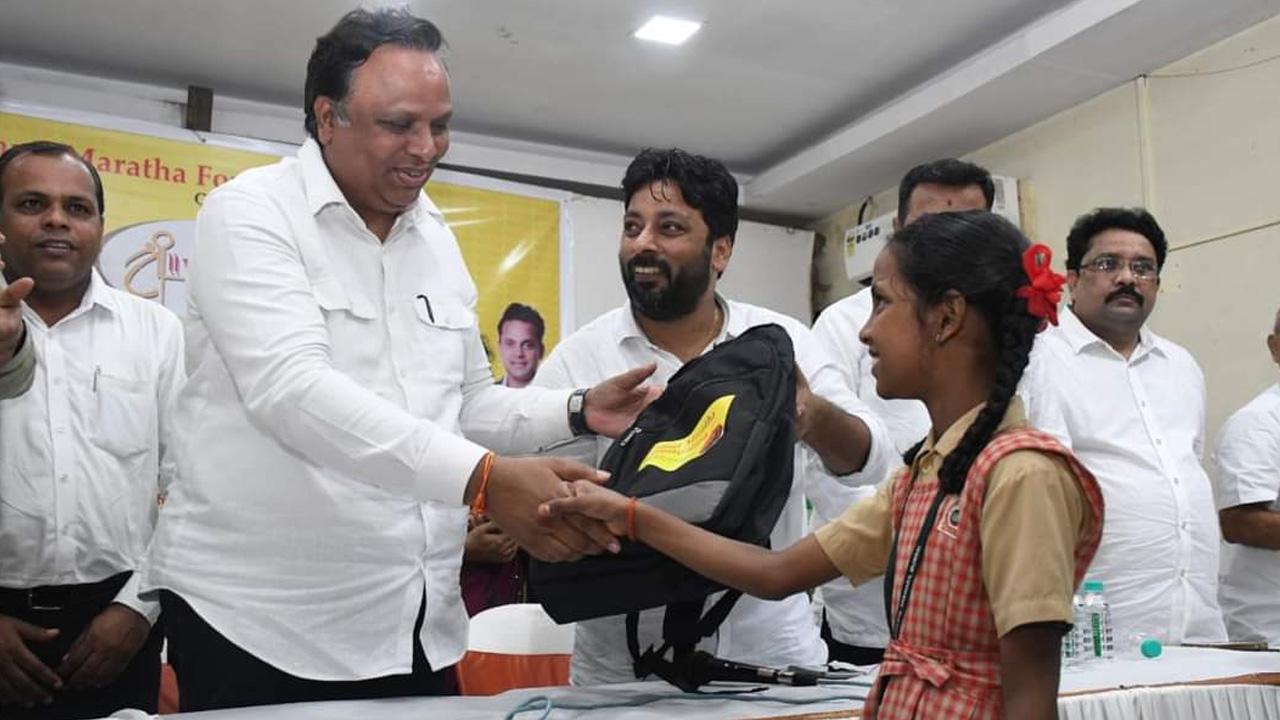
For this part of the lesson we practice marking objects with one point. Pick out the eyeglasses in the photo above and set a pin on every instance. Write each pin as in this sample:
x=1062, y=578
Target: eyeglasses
x=1141, y=269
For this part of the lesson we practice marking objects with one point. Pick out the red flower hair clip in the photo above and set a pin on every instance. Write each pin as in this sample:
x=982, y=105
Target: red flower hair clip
x=1043, y=290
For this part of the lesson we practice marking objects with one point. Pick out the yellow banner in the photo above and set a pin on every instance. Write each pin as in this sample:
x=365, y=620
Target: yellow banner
x=154, y=187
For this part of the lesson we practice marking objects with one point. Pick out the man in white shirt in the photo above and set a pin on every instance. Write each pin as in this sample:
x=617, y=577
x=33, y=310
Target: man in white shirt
x=312, y=546
x=17, y=359
x=85, y=456
x=677, y=239
x=854, y=626
x=1130, y=405
x=1248, y=462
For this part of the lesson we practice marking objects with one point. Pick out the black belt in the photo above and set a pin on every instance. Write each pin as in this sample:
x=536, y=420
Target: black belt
x=51, y=598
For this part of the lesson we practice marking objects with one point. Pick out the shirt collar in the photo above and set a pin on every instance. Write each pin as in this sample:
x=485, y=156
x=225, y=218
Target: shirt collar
x=1079, y=337
x=1014, y=416
x=322, y=190
x=98, y=294
x=627, y=327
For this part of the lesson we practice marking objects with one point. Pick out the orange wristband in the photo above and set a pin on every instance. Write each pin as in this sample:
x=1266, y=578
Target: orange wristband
x=486, y=465
x=631, y=518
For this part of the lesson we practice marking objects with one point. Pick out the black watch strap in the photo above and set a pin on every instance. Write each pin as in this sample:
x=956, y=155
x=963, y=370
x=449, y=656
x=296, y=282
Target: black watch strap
x=577, y=413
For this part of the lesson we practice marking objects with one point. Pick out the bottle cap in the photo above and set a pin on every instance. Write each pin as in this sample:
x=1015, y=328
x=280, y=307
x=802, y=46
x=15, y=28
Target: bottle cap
x=1151, y=648
x=1093, y=586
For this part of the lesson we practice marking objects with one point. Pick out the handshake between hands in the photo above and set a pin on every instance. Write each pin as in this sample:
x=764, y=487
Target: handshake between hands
x=555, y=508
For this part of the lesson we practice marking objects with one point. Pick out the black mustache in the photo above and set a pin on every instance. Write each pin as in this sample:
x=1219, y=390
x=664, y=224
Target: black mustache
x=1131, y=292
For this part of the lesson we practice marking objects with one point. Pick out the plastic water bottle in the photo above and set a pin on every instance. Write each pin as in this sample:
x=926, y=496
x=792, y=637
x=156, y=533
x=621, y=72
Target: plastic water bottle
x=1098, y=639
x=1071, y=648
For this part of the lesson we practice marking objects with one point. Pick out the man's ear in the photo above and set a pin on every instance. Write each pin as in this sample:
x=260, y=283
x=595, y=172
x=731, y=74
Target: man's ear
x=326, y=119
x=721, y=251
x=1073, y=277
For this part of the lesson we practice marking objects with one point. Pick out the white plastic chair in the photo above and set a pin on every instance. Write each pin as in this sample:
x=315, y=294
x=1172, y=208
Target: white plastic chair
x=514, y=646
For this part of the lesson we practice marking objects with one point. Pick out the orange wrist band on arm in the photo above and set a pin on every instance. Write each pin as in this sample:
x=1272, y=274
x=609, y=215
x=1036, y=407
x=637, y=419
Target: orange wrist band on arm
x=631, y=518
x=486, y=465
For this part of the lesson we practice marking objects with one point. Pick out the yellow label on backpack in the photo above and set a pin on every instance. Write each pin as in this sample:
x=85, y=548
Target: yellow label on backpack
x=671, y=455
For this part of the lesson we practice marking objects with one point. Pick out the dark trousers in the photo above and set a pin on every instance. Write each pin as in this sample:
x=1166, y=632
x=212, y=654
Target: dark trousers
x=856, y=654
x=70, y=609
x=214, y=673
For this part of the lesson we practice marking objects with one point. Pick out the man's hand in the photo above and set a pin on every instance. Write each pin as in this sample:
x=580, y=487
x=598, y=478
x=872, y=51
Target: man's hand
x=591, y=500
x=804, y=398
x=613, y=405
x=24, y=680
x=842, y=441
x=11, y=326
x=486, y=543
x=517, y=486
x=105, y=648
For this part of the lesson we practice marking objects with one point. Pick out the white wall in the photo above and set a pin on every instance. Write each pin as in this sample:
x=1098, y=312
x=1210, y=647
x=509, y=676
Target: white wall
x=1199, y=147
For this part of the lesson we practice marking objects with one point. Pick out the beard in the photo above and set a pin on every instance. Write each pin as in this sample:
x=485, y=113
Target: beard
x=677, y=297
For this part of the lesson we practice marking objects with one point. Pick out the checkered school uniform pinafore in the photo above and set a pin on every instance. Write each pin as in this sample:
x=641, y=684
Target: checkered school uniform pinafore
x=945, y=663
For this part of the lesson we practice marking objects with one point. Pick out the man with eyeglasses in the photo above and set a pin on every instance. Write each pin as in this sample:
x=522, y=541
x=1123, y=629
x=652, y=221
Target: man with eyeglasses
x=1130, y=405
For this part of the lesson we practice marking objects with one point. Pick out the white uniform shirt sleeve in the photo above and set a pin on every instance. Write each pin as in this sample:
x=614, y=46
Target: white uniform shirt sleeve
x=262, y=317
x=1040, y=396
x=1247, y=458
x=826, y=380
x=554, y=372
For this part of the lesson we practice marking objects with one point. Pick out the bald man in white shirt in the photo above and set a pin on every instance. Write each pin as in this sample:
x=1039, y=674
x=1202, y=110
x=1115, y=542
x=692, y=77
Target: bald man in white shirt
x=86, y=453
x=1248, y=462
x=1130, y=405
x=341, y=411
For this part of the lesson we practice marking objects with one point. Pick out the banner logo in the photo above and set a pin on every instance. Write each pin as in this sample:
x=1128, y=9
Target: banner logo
x=671, y=455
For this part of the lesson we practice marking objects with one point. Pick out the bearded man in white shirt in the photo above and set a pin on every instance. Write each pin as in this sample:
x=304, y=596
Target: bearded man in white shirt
x=1130, y=405
x=853, y=623
x=677, y=239
x=1248, y=462
x=84, y=453
x=311, y=548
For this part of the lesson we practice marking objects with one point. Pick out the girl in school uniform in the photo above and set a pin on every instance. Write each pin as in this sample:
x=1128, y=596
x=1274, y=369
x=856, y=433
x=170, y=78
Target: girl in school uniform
x=989, y=528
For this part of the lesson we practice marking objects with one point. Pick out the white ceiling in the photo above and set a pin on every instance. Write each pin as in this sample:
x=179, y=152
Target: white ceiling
x=813, y=102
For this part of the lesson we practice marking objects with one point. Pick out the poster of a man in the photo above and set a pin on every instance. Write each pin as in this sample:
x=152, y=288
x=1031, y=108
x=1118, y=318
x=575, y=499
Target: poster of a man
x=520, y=333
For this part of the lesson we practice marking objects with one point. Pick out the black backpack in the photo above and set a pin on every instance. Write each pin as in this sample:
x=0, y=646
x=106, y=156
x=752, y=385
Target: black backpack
x=716, y=449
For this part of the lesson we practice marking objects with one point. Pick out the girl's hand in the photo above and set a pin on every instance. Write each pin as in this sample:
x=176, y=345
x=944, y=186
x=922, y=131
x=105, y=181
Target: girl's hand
x=590, y=500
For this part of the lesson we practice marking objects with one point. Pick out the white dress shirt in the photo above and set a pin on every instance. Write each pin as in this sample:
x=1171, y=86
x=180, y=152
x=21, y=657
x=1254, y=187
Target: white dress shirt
x=856, y=614
x=1138, y=425
x=1248, y=462
x=775, y=633
x=321, y=467
x=837, y=327
x=85, y=451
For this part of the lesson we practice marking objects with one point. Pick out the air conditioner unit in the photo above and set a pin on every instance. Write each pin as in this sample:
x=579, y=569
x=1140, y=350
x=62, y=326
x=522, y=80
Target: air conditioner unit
x=862, y=243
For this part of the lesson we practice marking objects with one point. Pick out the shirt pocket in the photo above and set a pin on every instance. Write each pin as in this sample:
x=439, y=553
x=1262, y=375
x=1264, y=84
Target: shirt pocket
x=126, y=413
x=442, y=330
x=349, y=320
